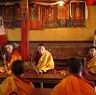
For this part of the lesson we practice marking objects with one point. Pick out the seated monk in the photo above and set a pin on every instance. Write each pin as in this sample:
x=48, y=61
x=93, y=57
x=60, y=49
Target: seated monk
x=90, y=61
x=15, y=84
x=43, y=60
x=74, y=84
x=10, y=56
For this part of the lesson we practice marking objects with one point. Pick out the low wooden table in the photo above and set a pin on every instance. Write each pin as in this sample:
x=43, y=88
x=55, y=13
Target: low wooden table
x=39, y=78
x=44, y=78
x=42, y=91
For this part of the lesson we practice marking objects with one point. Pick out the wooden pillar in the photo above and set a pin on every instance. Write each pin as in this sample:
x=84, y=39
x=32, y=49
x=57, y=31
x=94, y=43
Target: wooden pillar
x=25, y=31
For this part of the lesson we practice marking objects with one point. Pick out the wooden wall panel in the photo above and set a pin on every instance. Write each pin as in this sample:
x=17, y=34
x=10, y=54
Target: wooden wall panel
x=62, y=49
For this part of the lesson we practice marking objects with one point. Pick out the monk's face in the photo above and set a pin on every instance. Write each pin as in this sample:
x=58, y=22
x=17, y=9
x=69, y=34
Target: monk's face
x=9, y=49
x=92, y=52
x=41, y=49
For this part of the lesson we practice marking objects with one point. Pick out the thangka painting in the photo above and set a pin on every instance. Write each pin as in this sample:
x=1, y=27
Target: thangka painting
x=55, y=16
x=7, y=15
x=35, y=16
x=49, y=15
x=78, y=13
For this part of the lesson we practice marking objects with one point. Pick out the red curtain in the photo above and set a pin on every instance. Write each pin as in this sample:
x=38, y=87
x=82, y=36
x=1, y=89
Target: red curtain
x=90, y=2
x=25, y=40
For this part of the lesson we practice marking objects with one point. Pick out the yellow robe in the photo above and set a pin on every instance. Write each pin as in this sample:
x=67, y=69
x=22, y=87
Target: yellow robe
x=91, y=65
x=15, y=56
x=14, y=84
x=73, y=85
x=46, y=62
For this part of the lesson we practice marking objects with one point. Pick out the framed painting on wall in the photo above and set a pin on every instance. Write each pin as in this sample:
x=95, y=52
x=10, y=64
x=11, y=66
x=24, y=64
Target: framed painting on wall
x=78, y=13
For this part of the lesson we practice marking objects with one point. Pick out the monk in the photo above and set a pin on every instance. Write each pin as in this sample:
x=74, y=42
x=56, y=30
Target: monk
x=15, y=84
x=90, y=60
x=43, y=60
x=10, y=56
x=74, y=84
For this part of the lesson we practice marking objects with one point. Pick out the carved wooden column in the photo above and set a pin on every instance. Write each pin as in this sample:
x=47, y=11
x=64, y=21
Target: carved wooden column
x=25, y=31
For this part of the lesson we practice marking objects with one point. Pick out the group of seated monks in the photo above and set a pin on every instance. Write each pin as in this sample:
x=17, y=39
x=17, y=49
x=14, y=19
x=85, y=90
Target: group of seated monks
x=42, y=61
x=73, y=84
